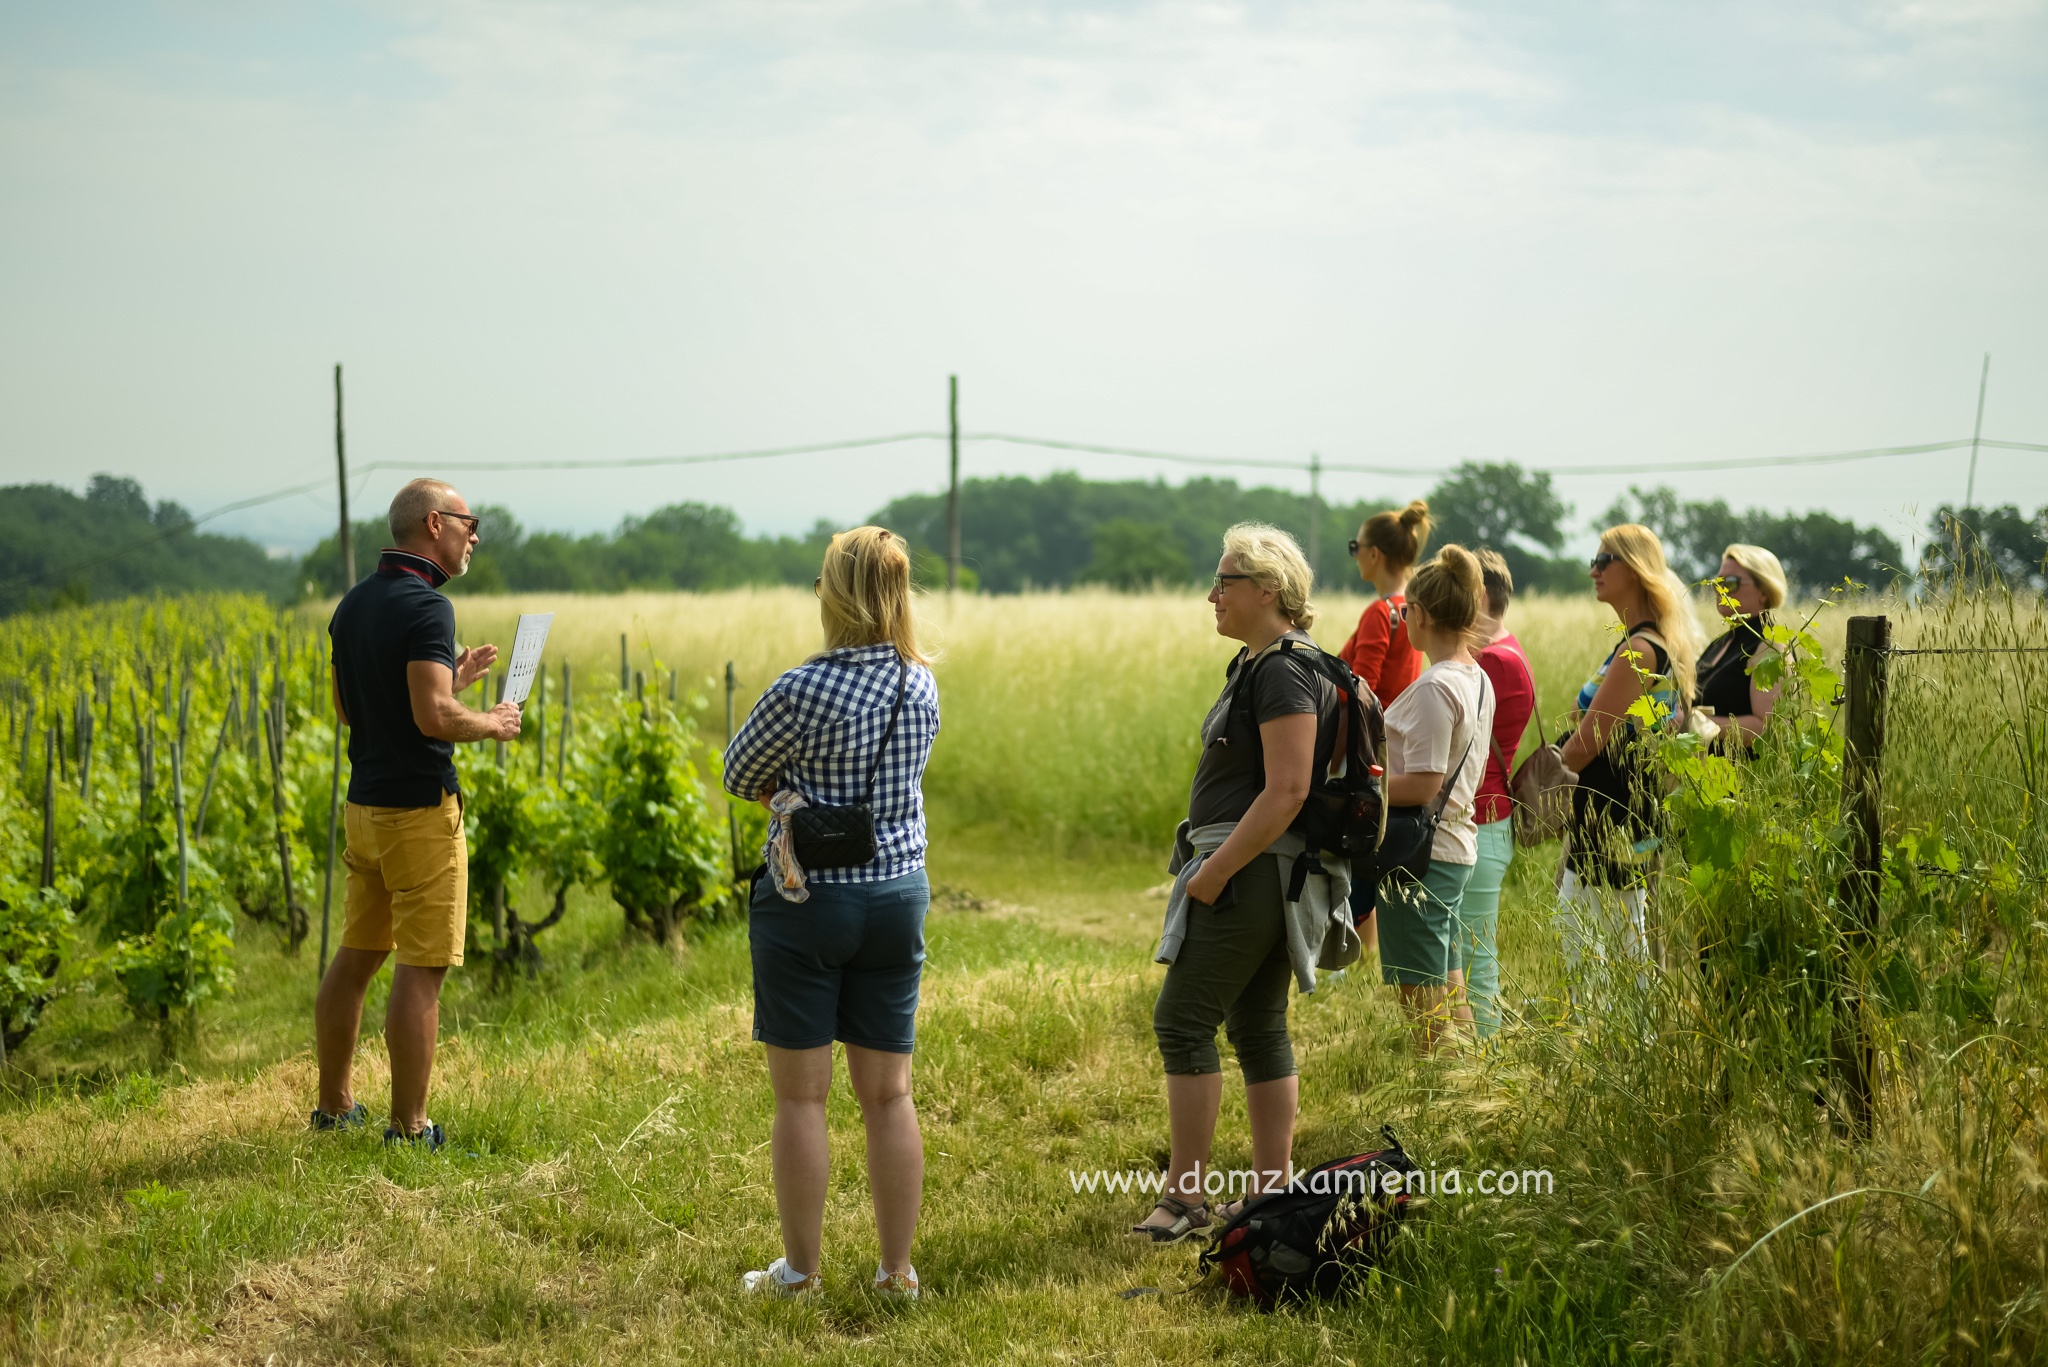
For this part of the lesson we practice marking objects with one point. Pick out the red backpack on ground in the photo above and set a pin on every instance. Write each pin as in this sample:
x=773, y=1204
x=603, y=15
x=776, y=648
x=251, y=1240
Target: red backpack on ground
x=1322, y=1233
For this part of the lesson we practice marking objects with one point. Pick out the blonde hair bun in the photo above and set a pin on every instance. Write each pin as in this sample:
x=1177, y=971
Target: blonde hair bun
x=1451, y=590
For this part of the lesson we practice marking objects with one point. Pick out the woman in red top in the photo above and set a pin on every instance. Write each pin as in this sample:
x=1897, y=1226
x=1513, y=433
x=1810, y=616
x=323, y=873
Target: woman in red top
x=1378, y=651
x=1475, y=956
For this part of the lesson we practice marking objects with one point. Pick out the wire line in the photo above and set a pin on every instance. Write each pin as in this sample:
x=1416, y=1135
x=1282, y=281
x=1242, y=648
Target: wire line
x=1014, y=439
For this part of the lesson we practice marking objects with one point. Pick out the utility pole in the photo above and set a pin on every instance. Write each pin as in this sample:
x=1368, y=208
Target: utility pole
x=953, y=486
x=1977, y=434
x=1315, y=509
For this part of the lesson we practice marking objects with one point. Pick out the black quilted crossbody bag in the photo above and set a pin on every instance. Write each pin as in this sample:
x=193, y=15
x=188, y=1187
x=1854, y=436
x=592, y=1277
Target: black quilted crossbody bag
x=844, y=837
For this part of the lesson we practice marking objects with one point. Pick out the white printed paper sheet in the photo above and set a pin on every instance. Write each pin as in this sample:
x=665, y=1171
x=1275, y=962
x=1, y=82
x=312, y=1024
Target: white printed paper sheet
x=526, y=647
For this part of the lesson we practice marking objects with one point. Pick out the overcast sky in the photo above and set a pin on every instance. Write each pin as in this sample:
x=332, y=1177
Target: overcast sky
x=1396, y=233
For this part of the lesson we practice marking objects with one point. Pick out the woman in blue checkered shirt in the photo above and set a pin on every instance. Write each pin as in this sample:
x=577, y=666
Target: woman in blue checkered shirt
x=838, y=951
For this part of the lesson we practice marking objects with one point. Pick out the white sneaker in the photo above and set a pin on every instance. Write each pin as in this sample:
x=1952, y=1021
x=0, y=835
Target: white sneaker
x=896, y=1286
x=780, y=1279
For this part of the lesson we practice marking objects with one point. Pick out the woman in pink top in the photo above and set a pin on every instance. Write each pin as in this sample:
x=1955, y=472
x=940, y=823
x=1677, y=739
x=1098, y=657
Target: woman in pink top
x=1475, y=974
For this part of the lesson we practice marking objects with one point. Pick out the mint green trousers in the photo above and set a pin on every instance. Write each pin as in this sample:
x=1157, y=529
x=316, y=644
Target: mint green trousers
x=1475, y=943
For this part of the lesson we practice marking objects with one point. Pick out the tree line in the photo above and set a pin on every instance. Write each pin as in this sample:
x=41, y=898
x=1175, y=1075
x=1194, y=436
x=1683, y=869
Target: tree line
x=59, y=548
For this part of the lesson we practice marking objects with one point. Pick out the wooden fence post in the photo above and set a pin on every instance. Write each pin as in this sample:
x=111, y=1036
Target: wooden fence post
x=1865, y=671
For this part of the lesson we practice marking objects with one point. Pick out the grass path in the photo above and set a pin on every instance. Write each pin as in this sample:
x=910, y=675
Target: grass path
x=609, y=1177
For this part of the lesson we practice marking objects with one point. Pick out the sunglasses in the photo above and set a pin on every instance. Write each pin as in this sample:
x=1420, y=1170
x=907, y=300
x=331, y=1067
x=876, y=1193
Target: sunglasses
x=1732, y=581
x=1222, y=578
x=475, y=523
x=1603, y=560
x=1352, y=546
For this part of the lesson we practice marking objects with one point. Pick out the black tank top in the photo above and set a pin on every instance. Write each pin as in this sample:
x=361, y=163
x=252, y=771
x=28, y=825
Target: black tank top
x=1724, y=668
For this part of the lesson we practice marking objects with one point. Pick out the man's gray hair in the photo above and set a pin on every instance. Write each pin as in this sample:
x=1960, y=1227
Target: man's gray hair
x=410, y=508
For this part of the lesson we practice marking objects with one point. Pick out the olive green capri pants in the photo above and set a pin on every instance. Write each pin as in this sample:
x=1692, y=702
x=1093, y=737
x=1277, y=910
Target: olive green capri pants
x=1232, y=971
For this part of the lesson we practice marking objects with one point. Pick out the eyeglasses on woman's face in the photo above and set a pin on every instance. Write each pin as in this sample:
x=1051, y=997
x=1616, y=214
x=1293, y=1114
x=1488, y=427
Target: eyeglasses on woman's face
x=1222, y=579
x=1352, y=546
x=1603, y=560
x=1732, y=582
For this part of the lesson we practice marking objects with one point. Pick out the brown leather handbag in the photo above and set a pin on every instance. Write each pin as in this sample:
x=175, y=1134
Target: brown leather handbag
x=1541, y=791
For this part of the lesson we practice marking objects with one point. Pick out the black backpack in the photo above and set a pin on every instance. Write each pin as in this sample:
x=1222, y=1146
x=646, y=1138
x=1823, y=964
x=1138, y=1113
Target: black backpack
x=1345, y=813
x=1328, y=1227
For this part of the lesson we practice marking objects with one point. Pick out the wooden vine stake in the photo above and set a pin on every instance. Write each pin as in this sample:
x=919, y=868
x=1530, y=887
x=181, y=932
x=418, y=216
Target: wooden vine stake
x=1865, y=686
x=220, y=743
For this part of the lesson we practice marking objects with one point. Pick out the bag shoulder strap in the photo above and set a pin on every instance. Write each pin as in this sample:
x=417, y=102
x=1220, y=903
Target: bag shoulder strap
x=1443, y=796
x=902, y=686
x=1244, y=675
x=1507, y=762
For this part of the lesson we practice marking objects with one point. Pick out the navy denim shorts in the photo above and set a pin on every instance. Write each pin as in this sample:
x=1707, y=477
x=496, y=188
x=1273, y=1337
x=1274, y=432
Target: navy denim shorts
x=843, y=965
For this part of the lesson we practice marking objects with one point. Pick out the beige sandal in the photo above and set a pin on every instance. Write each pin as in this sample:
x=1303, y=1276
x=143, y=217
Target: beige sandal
x=1187, y=1219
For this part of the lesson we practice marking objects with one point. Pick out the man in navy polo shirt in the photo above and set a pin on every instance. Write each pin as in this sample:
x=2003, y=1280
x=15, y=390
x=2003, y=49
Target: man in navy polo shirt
x=396, y=677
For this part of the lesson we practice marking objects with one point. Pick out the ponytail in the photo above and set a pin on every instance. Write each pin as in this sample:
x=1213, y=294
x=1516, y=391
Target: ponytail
x=1451, y=589
x=1398, y=536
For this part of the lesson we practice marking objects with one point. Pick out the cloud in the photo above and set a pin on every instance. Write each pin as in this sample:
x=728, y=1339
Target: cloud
x=1421, y=231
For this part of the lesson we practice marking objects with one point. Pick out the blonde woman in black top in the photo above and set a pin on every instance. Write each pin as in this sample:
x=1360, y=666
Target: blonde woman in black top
x=1752, y=584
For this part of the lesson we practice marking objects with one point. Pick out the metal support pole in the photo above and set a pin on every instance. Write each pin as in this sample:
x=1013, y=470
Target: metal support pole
x=732, y=813
x=1977, y=434
x=540, y=723
x=562, y=736
x=1865, y=687
x=49, y=810
x=953, y=483
x=333, y=845
x=274, y=738
x=502, y=679
x=178, y=817
x=348, y=546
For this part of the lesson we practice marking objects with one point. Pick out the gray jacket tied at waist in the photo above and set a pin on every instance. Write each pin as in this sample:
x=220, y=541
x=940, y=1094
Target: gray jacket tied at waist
x=1318, y=906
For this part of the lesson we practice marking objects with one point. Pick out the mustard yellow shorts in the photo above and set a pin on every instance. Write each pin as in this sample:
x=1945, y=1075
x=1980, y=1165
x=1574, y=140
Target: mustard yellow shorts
x=408, y=882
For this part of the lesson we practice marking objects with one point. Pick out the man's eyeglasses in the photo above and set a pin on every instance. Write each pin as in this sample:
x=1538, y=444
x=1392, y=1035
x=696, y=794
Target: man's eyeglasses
x=476, y=524
x=1221, y=579
x=1352, y=545
x=1604, y=559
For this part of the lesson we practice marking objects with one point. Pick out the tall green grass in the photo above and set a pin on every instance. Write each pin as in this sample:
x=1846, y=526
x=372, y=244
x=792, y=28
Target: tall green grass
x=611, y=1174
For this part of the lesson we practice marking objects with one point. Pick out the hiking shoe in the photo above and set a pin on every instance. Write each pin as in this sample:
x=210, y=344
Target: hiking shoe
x=896, y=1286
x=354, y=1118
x=431, y=1138
x=781, y=1280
